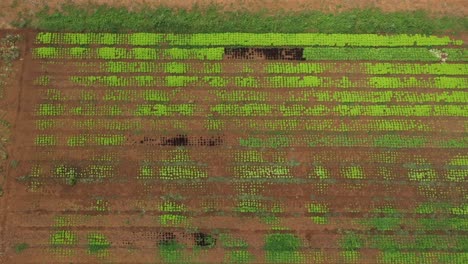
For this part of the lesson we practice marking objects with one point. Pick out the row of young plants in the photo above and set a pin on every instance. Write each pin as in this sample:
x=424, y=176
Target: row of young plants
x=340, y=110
x=116, y=110
x=80, y=140
x=367, y=68
x=306, y=39
x=389, y=141
x=336, y=125
x=391, y=257
x=374, y=141
x=272, y=82
x=63, y=241
x=255, y=109
x=250, y=166
x=107, y=95
x=105, y=124
x=73, y=175
x=120, y=95
x=270, y=68
x=383, y=54
x=85, y=38
x=343, y=96
x=177, y=166
x=114, y=53
x=244, y=39
x=168, y=67
x=172, y=172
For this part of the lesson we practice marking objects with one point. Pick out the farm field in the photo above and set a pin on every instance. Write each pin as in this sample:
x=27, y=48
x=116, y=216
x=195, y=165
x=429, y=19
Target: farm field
x=238, y=148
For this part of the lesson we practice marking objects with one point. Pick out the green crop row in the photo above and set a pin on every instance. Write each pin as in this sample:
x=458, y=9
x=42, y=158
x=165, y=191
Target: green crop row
x=382, y=54
x=257, y=96
x=99, y=140
x=170, y=206
x=368, y=68
x=340, y=110
x=390, y=96
x=172, y=220
x=258, y=109
x=108, y=95
x=82, y=38
x=457, y=170
x=395, y=257
x=269, y=142
x=425, y=172
x=376, y=141
x=435, y=69
x=418, y=243
x=116, y=110
x=113, y=53
x=82, y=140
x=240, y=95
x=248, y=156
x=332, y=125
x=255, y=172
x=89, y=171
x=250, y=206
x=317, y=212
x=120, y=125
x=63, y=238
x=245, y=39
x=346, y=96
x=387, y=141
x=181, y=172
x=353, y=172
x=50, y=110
x=273, y=82
x=242, y=110
x=100, y=205
x=164, y=110
x=45, y=140
x=46, y=124
x=437, y=82
x=93, y=110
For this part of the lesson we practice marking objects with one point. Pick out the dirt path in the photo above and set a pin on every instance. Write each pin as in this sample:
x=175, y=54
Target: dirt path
x=9, y=9
x=10, y=104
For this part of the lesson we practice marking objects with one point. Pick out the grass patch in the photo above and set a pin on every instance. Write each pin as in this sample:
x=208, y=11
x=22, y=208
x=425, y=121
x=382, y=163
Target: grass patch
x=282, y=242
x=171, y=251
x=351, y=241
x=102, y=18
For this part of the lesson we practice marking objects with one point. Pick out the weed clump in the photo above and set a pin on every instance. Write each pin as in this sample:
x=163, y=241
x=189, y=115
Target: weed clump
x=21, y=247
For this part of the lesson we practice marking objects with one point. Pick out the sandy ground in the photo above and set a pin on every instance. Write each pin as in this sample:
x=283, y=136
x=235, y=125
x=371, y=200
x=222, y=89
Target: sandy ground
x=9, y=9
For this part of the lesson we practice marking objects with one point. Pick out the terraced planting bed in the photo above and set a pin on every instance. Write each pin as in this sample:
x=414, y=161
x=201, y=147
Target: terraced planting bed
x=239, y=148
